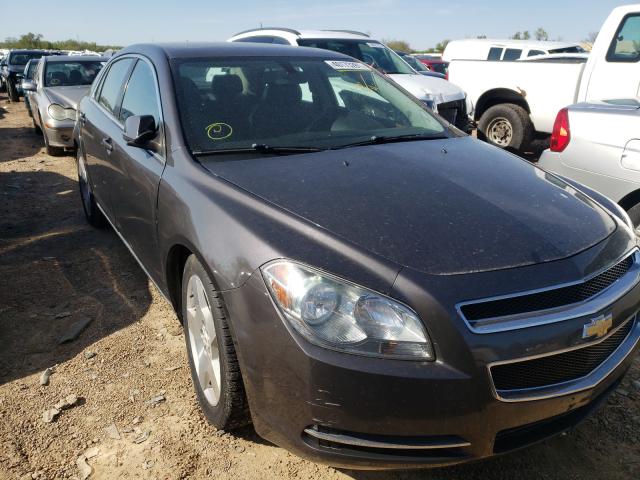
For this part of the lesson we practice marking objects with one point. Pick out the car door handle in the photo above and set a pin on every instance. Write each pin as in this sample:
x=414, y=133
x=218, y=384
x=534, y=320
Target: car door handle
x=106, y=143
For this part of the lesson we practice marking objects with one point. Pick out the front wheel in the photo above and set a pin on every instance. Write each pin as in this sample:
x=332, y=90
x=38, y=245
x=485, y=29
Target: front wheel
x=506, y=126
x=12, y=92
x=214, y=366
x=634, y=215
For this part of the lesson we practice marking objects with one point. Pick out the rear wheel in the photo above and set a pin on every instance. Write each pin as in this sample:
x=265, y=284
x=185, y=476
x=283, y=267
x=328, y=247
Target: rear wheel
x=214, y=365
x=91, y=211
x=506, y=126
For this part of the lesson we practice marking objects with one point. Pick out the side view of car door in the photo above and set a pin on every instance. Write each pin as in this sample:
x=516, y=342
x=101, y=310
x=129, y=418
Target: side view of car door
x=138, y=167
x=99, y=124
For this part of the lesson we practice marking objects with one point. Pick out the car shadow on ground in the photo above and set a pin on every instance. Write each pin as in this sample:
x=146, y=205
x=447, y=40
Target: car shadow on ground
x=29, y=142
x=57, y=275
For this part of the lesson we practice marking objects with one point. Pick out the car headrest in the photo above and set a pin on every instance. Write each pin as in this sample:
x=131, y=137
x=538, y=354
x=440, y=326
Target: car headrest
x=57, y=78
x=287, y=93
x=226, y=86
x=75, y=76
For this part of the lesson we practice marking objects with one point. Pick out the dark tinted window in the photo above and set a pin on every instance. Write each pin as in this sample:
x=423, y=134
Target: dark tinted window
x=626, y=44
x=112, y=84
x=512, y=54
x=141, y=96
x=574, y=49
x=495, y=53
x=64, y=74
x=257, y=39
x=21, y=58
x=533, y=53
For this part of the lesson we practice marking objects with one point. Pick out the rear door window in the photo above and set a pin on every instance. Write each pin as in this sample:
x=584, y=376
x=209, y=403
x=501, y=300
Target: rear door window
x=626, y=44
x=495, y=53
x=112, y=85
x=512, y=54
x=533, y=53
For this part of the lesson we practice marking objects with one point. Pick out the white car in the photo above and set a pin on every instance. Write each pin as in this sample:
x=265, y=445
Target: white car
x=442, y=96
x=598, y=145
x=505, y=50
x=517, y=101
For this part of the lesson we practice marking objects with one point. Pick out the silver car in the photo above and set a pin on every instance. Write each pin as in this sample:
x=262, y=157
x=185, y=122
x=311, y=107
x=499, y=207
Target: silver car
x=598, y=145
x=58, y=85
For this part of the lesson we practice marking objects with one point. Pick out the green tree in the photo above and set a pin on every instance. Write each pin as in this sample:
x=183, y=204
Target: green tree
x=399, y=45
x=541, y=34
x=36, y=40
x=516, y=36
x=526, y=35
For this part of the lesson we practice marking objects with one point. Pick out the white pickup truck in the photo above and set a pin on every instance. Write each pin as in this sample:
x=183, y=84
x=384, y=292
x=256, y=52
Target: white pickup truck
x=515, y=101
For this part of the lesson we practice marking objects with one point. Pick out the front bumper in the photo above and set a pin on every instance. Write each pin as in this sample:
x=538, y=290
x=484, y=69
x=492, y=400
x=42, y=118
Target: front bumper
x=59, y=134
x=356, y=412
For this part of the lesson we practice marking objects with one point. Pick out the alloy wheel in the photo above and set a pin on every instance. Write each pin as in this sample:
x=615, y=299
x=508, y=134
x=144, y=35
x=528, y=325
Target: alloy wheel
x=203, y=340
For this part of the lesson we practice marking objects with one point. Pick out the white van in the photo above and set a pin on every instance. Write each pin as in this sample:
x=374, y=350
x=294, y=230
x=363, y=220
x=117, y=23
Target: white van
x=504, y=50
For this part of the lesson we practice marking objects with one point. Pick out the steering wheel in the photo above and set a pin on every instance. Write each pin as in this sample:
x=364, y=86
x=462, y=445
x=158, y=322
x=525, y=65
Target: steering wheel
x=369, y=60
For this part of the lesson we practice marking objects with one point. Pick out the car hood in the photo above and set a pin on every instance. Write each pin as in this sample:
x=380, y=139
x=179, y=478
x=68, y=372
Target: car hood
x=438, y=206
x=67, y=96
x=421, y=85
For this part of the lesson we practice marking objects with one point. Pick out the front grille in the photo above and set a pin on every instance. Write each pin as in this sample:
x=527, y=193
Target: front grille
x=455, y=112
x=548, y=299
x=558, y=368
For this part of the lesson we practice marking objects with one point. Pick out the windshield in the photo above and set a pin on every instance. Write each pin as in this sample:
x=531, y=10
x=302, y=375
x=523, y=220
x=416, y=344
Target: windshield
x=373, y=53
x=415, y=64
x=71, y=73
x=291, y=102
x=21, y=58
x=574, y=49
x=31, y=69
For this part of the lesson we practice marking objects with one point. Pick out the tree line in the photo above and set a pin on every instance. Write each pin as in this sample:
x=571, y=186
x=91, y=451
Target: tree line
x=36, y=40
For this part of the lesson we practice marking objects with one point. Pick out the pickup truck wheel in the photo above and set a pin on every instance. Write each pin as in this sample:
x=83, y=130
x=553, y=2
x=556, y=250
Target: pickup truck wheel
x=91, y=211
x=506, y=126
x=12, y=92
x=214, y=366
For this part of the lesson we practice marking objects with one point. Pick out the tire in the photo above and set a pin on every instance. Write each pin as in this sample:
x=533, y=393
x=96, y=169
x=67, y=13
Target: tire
x=223, y=402
x=506, y=125
x=634, y=215
x=12, y=92
x=36, y=129
x=91, y=211
x=53, y=151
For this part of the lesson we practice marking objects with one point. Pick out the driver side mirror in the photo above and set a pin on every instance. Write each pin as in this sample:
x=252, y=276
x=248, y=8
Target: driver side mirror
x=139, y=130
x=28, y=86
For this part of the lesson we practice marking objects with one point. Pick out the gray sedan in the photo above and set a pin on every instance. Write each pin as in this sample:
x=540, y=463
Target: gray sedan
x=597, y=145
x=59, y=84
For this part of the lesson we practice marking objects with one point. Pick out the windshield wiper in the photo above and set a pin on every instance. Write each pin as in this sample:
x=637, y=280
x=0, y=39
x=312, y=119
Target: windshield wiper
x=260, y=148
x=378, y=140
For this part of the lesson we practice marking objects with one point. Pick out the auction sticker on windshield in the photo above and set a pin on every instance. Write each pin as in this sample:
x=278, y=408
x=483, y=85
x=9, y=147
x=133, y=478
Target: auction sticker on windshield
x=340, y=65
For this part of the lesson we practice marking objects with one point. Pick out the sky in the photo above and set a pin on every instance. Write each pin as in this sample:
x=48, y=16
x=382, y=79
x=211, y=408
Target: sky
x=422, y=23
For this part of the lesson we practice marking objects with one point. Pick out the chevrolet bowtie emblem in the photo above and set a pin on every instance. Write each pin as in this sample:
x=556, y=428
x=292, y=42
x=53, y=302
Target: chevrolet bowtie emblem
x=598, y=327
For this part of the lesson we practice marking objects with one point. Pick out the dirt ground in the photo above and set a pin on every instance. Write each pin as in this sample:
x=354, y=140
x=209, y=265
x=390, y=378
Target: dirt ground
x=57, y=274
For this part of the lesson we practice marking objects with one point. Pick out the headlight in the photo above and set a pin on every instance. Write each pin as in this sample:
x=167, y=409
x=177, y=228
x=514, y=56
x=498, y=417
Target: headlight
x=58, y=112
x=335, y=314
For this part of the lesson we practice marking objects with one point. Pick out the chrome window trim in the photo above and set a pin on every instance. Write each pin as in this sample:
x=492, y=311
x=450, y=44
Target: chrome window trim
x=590, y=306
x=587, y=382
x=361, y=442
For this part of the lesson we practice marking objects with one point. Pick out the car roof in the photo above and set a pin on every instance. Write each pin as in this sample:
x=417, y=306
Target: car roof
x=74, y=58
x=531, y=44
x=227, y=49
x=307, y=34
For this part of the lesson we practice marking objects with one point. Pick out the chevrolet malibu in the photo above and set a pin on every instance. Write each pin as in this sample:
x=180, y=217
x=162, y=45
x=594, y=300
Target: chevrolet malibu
x=352, y=275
